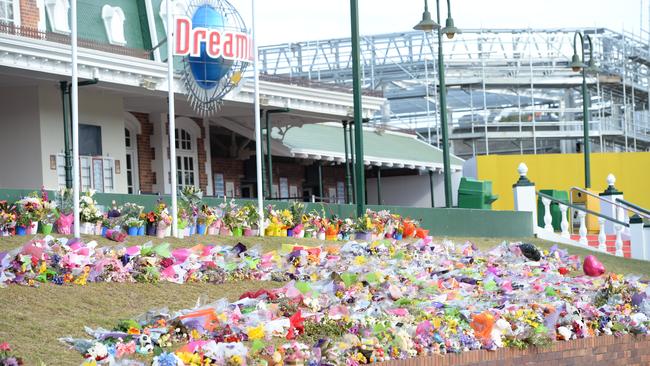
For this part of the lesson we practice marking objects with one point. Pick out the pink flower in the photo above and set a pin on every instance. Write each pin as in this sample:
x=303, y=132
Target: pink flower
x=4, y=347
x=124, y=349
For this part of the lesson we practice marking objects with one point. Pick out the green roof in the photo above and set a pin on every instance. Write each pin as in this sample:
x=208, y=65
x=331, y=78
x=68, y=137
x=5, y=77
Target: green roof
x=386, y=147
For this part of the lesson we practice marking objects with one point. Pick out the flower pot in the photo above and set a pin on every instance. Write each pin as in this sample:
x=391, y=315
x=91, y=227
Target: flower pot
x=345, y=236
x=168, y=231
x=142, y=230
x=46, y=229
x=200, y=229
x=397, y=236
x=32, y=229
x=104, y=230
x=321, y=236
x=192, y=230
x=290, y=233
x=299, y=235
x=21, y=230
x=331, y=237
x=213, y=230
x=248, y=232
x=224, y=231
x=4, y=233
x=151, y=229
x=132, y=231
x=363, y=236
x=181, y=233
x=161, y=232
x=237, y=232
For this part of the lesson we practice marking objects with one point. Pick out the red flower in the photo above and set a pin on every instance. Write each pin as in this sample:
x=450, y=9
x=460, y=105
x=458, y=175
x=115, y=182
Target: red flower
x=297, y=326
x=563, y=271
x=4, y=347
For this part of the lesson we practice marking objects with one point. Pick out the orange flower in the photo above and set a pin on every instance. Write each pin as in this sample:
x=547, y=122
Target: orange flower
x=133, y=331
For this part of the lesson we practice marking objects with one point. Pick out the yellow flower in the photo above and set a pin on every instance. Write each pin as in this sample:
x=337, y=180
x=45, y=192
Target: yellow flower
x=43, y=268
x=195, y=334
x=360, y=260
x=236, y=360
x=89, y=363
x=256, y=332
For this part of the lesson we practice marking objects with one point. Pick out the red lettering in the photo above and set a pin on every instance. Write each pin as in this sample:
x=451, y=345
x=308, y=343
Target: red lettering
x=183, y=28
x=199, y=37
x=241, y=48
x=227, y=47
x=214, y=44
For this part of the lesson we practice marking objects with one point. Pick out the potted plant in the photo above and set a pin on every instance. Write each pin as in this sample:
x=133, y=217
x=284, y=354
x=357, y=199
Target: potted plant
x=133, y=226
x=251, y=220
x=190, y=198
x=7, y=218
x=364, y=228
x=31, y=205
x=89, y=214
x=152, y=219
x=23, y=222
x=49, y=215
x=203, y=220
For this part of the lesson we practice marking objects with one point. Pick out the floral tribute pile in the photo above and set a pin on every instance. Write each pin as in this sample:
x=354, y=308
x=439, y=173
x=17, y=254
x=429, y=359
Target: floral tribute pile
x=355, y=304
x=36, y=213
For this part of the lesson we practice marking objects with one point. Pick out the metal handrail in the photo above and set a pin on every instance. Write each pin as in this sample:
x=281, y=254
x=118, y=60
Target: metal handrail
x=578, y=208
x=623, y=204
x=634, y=208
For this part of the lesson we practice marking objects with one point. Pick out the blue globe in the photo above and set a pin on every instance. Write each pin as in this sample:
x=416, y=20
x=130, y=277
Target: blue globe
x=208, y=71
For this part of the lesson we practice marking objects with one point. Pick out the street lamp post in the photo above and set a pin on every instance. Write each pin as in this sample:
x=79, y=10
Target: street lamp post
x=428, y=25
x=578, y=64
x=358, y=111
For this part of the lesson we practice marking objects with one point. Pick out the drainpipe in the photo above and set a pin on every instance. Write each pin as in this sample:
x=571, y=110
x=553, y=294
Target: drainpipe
x=269, y=156
x=348, y=182
x=320, y=180
x=354, y=173
x=66, y=135
x=379, y=185
x=433, y=200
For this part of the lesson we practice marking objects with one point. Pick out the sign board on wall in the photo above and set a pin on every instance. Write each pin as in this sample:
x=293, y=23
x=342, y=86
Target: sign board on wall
x=216, y=48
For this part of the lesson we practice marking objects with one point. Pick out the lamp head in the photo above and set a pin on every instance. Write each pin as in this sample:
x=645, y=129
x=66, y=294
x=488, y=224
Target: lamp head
x=576, y=64
x=450, y=30
x=426, y=24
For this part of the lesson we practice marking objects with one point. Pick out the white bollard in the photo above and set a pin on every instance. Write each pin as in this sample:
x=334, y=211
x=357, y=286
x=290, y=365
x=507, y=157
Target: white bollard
x=606, y=208
x=565, y=221
x=583, y=228
x=619, y=240
x=524, y=194
x=638, y=241
x=602, y=236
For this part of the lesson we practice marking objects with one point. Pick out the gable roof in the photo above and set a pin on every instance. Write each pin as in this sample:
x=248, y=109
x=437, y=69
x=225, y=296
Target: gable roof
x=381, y=148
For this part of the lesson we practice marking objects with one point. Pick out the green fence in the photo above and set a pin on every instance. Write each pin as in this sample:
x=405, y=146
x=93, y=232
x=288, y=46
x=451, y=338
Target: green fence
x=440, y=221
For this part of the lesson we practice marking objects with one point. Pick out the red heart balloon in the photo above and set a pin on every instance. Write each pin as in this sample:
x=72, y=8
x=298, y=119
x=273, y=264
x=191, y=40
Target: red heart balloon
x=593, y=267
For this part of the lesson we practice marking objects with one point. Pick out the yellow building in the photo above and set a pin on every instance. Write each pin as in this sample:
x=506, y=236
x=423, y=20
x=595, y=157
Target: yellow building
x=563, y=171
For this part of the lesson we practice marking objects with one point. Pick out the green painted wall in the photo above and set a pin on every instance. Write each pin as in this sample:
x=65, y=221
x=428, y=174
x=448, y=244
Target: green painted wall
x=91, y=24
x=440, y=221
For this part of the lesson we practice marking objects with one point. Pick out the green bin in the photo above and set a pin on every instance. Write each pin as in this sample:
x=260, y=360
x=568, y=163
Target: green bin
x=556, y=213
x=475, y=194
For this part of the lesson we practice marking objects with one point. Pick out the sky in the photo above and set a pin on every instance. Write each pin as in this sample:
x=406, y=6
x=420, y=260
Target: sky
x=285, y=21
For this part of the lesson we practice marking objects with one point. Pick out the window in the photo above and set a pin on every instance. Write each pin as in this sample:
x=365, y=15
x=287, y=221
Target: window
x=340, y=192
x=9, y=12
x=219, y=185
x=284, y=188
x=130, y=143
x=186, y=161
x=90, y=140
x=97, y=173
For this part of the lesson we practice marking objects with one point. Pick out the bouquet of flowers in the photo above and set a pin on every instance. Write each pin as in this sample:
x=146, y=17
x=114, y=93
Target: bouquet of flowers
x=190, y=198
x=252, y=217
x=233, y=216
x=64, y=200
x=49, y=213
x=88, y=208
x=131, y=210
x=6, y=358
x=7, y=217
x=346, y=228
x=162, y=213
x=364, y=224
x=133, y=222
x=31, y=206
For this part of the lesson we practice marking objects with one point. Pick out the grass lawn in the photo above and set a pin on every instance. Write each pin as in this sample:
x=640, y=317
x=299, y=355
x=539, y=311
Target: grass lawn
x=33, y=319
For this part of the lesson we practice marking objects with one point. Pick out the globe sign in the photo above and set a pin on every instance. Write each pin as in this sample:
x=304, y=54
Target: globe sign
x=216, y=49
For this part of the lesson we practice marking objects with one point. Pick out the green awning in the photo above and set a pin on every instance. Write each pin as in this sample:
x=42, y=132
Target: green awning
x=381, y=148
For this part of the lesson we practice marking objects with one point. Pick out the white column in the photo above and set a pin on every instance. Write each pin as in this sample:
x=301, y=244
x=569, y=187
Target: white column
x=548, y=219
x=172, y=116
x=583, y=228
x=524, y=194
x=209, y=189
x=565, y=221
x=619, y=239
x=606, y=208
x=602, y=237
x=258, y=126
x=637, y=239
x=75, y=120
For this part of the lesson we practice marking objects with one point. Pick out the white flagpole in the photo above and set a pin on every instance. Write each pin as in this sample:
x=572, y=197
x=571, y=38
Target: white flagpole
x=172, y=116
x=75, y=120
x=258, y=127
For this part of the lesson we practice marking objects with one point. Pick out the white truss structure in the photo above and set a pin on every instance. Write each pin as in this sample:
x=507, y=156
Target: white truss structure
x=516, y=75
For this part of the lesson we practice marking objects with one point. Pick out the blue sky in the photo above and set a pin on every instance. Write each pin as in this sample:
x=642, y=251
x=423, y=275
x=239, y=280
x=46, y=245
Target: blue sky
x=282, y=21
